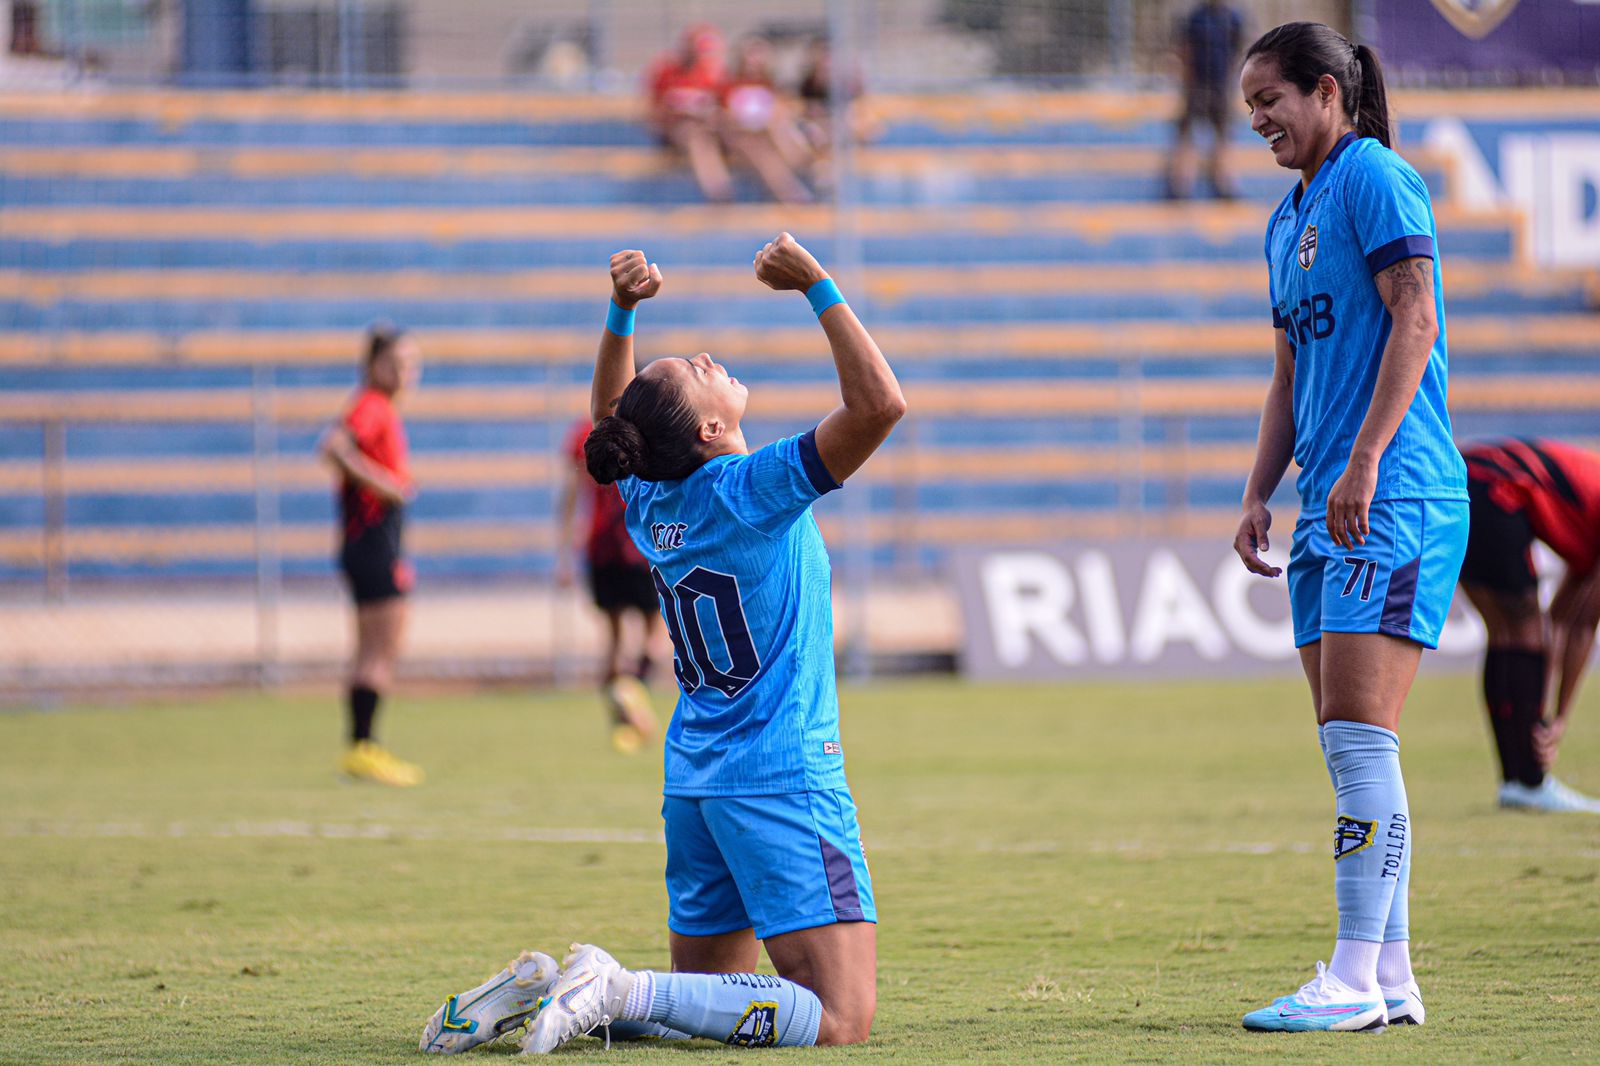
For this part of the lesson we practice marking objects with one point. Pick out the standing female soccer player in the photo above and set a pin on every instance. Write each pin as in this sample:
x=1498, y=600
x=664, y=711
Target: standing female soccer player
x=368, y=450
x=762, y=840
x=1357, y=399
x=1524, y=490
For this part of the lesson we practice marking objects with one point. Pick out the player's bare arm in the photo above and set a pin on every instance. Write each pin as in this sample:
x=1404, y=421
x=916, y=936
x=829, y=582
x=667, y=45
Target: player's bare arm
x=338, y=449
x=1406, y=289
x=633, y=278
x=1574, y=616
x=873, y=402
x=1274, y=450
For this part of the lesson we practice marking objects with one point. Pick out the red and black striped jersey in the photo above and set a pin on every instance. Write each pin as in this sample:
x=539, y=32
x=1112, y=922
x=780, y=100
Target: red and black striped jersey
x=1556, y=485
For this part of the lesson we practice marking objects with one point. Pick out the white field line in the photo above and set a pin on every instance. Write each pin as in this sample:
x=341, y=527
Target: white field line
x=288, y=828
x=306, y=830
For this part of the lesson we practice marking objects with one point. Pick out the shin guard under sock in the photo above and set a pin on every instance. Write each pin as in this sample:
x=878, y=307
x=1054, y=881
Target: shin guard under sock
x=1373, y=828
x=746, y=1009
x=363, y=703
x=1513, y=689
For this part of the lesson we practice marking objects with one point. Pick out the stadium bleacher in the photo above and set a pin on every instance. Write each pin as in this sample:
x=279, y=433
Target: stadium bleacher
x=183, y=276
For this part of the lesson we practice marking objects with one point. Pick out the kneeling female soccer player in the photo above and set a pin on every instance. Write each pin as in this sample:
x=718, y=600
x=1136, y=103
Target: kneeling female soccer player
x=763, y=846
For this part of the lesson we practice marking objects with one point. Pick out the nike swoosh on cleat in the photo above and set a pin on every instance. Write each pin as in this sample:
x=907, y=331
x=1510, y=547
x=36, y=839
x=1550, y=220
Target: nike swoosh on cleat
x=569, y=993
x=1318, y=1012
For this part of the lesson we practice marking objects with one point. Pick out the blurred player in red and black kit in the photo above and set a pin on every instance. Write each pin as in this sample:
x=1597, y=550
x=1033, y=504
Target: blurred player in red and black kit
x=1522, y=490
x=367, y=447
x=620, y=584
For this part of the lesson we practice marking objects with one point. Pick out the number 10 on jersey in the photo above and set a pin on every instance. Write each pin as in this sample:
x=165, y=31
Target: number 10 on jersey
x=692, y=659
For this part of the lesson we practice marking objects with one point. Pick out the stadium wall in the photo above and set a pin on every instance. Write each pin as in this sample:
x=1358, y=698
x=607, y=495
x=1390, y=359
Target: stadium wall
x=184, y=278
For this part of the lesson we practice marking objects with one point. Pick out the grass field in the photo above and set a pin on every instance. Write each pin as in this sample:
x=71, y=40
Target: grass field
x=1074, y=873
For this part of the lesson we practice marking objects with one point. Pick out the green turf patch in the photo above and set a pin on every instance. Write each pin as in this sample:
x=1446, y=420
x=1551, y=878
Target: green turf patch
x=1064, y=873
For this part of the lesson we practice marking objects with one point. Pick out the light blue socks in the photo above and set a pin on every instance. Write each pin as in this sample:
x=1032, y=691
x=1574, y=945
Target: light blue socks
x=746, y=1009
x=1372, y=845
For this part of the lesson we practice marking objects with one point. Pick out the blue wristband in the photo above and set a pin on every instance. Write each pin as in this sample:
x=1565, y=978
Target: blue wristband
x=823, y=295
x=620, y=321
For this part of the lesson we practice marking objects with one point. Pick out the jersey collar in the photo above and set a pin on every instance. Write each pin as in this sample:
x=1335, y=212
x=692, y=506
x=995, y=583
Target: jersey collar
x=1304, y=195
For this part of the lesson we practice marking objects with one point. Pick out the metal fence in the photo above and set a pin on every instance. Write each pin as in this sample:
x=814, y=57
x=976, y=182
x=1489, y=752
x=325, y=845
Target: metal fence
x=598, y=45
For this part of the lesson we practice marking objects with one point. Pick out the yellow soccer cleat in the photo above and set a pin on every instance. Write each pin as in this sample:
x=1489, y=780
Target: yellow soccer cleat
x=630, y=705
x=626, y=740
x=367, y=761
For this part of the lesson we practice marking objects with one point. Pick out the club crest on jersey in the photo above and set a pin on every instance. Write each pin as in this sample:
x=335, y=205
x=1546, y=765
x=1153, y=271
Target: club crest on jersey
x=1475, y=18
x=758, y=1027
x=1308, y=248
x=1351, y=835
x=668, y=535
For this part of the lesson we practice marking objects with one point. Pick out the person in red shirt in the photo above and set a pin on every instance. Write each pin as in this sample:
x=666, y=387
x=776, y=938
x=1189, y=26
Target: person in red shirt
x=367, y=449
x=1522, y=491
x=685, y=92
x=620, y=584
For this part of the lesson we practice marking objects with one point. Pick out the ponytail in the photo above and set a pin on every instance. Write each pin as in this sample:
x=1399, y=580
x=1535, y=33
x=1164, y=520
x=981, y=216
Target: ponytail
x=654, y=436
x=1372, y=101
x=1305, y=51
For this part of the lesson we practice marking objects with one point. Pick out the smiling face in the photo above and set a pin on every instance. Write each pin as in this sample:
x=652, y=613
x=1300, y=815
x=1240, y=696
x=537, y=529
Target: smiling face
x=1300, y=128
x=717, y=398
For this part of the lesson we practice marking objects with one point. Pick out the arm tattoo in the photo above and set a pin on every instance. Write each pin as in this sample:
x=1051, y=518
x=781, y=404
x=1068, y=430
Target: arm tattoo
x=1409, y=282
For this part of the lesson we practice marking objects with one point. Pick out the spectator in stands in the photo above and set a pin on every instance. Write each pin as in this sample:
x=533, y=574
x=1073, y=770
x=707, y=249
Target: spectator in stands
x=816, y=107
x=620, y=584
x=685, y=94
x=758, y=124
x=367, y=449
x=816, y=90
x=1208, y=43
x=1522, y=491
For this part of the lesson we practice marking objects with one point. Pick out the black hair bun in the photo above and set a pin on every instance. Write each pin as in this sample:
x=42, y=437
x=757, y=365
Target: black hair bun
x=614, y=450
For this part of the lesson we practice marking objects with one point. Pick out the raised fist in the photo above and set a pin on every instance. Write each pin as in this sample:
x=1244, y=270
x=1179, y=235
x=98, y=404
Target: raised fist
x=785, y=264
x=633, y=278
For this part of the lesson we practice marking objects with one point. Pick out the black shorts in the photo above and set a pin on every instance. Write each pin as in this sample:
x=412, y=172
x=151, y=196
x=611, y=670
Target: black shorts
x=374, y=570
x=1211, y=104
x=1499, y=546
x=619, y=587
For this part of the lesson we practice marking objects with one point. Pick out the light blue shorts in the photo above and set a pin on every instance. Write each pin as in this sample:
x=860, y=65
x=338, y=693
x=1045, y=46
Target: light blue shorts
x=1400, y=582
x=772, y=863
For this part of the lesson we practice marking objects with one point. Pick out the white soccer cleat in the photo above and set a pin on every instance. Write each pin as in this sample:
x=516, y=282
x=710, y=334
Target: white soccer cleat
x=494, y=1008
x=589, y=995
x=1550, y=795
x=1323, y=1004
x=1404, y=1004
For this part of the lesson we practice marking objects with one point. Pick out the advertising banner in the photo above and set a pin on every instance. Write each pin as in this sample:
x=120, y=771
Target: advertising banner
x=1138, y=609
x=1547, y=168
x=1526, y=41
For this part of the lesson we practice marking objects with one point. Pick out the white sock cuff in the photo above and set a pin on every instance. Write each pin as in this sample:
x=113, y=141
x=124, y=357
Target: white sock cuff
x=1394, y=963
x=1355, y=962
x=641, y=994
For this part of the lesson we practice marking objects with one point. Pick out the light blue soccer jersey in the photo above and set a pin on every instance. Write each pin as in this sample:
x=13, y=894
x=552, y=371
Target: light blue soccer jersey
x=745, y=587
x=1365, y=210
